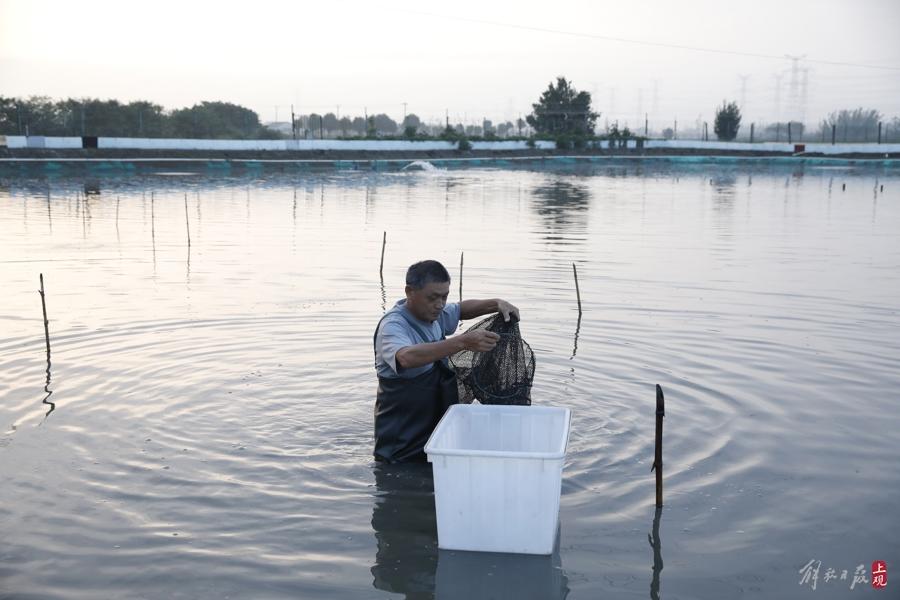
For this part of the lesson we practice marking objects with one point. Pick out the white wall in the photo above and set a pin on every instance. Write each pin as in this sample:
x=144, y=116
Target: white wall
x=369, y=145
x=16, y=141
x=62, y=142
x=773, y=146
x=187, y=144
x=40, y=141
x=513, y=145
x=21, y=141
x=359, y=145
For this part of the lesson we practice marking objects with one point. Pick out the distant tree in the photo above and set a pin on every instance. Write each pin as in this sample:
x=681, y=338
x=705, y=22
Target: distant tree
x=330, y=122
x=39, y=116
x=562, y=109
x=371, y=131
x=316, y=125
x=359, y=126
x=728, y=121
x=858, y=125
x=613, y=133
x=221, y=120
x=779, y=131
x=9, y=116
x=893, y=131
x=520, y=124
x=505, y=129
x=413, y=121
x=449, y=134
x=385, y=125
x=345, y=124
x=668, y=133
x=145, y=119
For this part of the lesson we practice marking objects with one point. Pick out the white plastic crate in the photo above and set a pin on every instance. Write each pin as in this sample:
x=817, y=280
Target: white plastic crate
x=497, y=477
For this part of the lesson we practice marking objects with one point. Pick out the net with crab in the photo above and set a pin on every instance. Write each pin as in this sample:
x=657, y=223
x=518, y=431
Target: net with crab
x=500, y=376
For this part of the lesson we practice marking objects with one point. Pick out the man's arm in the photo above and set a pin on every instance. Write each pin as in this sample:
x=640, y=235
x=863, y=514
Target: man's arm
x=469, y=309
x=419, y=355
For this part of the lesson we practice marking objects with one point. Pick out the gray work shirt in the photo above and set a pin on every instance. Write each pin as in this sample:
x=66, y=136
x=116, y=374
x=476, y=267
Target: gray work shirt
x=395, y=332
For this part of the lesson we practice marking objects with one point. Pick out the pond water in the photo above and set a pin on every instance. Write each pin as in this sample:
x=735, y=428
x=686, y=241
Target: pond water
x=211, y=425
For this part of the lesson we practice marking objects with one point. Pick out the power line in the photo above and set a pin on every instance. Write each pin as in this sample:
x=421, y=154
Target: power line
x=644, y=42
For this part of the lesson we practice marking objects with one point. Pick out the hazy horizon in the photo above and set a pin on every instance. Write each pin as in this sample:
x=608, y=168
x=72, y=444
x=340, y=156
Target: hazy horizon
x=473, y=60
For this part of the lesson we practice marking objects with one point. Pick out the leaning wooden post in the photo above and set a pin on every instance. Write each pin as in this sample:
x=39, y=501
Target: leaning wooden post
x=657, y=460
x=383, y=243
x=461, y=254
x=47, y=389
x=46, y=322
x=577, y=290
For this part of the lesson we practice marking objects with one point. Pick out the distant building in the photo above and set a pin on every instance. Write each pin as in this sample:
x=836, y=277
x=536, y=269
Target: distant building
x=280, y=126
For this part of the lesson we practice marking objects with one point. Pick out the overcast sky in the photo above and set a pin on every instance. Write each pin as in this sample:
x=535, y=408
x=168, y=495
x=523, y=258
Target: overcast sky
x=476, y=59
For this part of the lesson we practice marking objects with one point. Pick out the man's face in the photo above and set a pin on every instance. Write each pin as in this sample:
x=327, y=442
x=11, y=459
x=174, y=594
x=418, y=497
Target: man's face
x=427, y=303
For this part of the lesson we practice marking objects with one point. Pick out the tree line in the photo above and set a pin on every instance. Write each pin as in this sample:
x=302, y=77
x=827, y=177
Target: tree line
x=561, y=113
x=39, y=115
x=847, y=125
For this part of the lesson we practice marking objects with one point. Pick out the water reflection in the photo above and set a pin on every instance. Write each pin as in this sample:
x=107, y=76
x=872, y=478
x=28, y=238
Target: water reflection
x=408, y=562
x=562, y=202
x=575, y=341
x=483, y=575
x=724, y=184
x=49, y=212
x=153, y=228
x=91, y=187
x=653, y=538
x=405, y=528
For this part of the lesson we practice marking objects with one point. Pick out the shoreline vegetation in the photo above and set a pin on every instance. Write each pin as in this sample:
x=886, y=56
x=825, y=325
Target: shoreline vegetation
x=868, y=152
x=562, y=115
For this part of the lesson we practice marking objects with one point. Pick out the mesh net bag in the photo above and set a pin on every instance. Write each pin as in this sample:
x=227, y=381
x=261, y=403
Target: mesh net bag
x=501, y=376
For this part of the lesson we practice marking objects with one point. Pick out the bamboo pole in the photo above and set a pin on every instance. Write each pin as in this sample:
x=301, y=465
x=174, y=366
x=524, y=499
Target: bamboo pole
x=460, y=274
x=577, y=289
x=46, y=322
x=658, y=460
x=47, y=389
x=383, y=244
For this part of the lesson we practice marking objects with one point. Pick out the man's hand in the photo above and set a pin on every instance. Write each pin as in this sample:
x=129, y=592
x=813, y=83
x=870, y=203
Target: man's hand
x=479, y=340
x=506, y=309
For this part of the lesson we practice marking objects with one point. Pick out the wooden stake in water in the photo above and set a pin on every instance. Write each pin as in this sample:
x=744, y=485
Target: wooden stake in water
x=460, y=274
x=46, y=322
x=577, y=289
x=47, y=389
x=186, y=223
x=658, y=460
x=383, y=244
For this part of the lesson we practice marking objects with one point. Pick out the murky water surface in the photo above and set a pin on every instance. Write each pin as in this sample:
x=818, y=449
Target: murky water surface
x=212, y=404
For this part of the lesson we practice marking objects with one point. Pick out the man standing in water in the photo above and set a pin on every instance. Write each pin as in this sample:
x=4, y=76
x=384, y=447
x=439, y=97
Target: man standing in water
x=415, y=383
